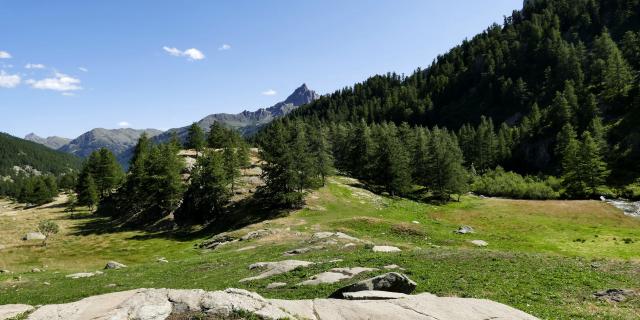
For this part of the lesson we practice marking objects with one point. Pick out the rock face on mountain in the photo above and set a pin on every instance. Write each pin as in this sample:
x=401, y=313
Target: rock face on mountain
x=159, y=304
x=116, y=140
x=248, y=122
x=52, y=142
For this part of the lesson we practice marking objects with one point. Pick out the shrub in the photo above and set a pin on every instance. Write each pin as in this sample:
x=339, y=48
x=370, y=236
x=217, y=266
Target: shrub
x=631, y=192
x=48, y=228
x=499, y=183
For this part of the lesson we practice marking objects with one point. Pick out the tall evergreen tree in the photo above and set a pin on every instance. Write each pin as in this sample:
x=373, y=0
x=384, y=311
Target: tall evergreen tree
x=196, y=138
x=446, y=174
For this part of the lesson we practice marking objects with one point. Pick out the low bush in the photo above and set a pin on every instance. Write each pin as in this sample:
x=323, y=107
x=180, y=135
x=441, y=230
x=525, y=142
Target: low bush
x=499, y=183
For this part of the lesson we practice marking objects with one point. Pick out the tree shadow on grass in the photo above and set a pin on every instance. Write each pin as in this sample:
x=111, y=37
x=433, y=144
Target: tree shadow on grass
x=245, y=212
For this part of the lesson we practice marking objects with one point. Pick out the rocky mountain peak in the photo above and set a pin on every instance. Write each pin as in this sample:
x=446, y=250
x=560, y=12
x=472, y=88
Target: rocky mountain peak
x=301, y=96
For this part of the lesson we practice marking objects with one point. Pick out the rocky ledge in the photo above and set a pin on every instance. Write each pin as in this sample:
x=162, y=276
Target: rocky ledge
x=160, y=304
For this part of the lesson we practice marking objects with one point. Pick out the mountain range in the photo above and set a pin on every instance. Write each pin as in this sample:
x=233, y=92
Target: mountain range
x=122, y=141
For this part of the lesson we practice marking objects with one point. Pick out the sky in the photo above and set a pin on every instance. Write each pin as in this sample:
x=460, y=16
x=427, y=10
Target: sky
x=68, y=66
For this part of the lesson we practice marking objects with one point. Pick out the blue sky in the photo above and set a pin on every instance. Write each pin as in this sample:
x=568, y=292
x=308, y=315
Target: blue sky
x=69, y=66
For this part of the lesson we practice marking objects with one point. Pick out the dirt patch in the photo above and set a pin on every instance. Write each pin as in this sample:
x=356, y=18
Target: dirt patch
x=407, y=229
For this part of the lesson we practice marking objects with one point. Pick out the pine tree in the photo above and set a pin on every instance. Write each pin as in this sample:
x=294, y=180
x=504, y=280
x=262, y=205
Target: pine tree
x=592, y=164
x=564, y=137
x=446, y=174
x=361, y=152
x=87, y=190
x=231, y=165
x=195, y=138
x=209, y=193
x=320, y=150
x=391, y=164
x=163, y=180
x=218, y=136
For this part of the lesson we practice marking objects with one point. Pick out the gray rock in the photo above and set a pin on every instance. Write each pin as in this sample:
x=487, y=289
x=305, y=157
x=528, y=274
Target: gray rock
x=335, y=275
x=5, y=271
x=465, y=230
x=34, y=236
x=83, y=275
x=217, y=241
x=615, y=295
x=276, y=285
x=386, y=249
x=13, y=310
x=114, y=265
x=479, y=243
x=298, y=251
x=392, y=267
x=373, y=295
x=392, y=281
x=275, y=268
x=257, y=234
x=156, y=304
x=162, y=260
x=36, y=270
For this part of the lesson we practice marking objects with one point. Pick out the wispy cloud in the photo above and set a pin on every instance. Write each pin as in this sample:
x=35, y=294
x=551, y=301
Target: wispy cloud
x=225, y=47
x=83, y=69
x=68, y=94
x=34, y=66
x=9, y=80
x=124, y=124
x=269, y=92
x=60, y=82
x=5, y=55
x=192, y=54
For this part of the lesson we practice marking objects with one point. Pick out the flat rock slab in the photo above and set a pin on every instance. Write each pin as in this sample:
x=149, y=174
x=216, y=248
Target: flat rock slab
x=159, y=304
x=83, y=275
x=338, y=235
x=373, y=295
x=275, y=285
x=275, y=268
x=479, y=243
x=386, y=249
x=335, y=275
x=11, y=310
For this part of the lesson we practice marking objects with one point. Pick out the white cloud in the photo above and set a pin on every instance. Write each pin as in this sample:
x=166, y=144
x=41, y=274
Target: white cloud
x=5, y=55
x=83, y=69
x=225, y=47
x=191, y=54
x=61, y=82
x=34, y=66
x=9, y=80
x=269, y=92
x=124, y=124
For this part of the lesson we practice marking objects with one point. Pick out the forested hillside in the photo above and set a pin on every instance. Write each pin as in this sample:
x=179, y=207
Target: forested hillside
x=21, y=153
x=557, y=64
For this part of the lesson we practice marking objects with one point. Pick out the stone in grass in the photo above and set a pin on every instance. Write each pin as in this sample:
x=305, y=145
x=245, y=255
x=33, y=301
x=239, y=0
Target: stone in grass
x=275, y=268
x=465, y=230
x=386, y=249
x=162, y=260
x=479, y=243
x=34, y=236
x=614, y=295
x=36, y=270
x=392, y=282
x=11, y=311
x=114, y=265
x=276, y=285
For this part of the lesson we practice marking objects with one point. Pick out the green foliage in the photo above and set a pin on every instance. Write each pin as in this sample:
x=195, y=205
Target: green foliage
x=196, y=138
x=499, y=183
x=446, y=175
x=22, y=153
x=48, y=228
x=584, y=168
x=209, y=191
x=87, y=190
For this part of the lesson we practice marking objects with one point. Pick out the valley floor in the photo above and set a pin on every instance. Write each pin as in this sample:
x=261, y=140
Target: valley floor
x=546, y=258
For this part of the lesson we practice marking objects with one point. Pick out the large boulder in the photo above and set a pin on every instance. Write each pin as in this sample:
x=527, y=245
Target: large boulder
x=160, y=304
x=10, y=311
x=34, y=236
x=392, y=282
x=335, y=275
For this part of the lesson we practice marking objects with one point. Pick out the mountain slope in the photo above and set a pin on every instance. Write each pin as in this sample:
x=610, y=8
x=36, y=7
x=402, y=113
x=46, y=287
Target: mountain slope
x=19, y=153
x=556, y=61
x=116, y=140
x=248, y=122
x=53, y=142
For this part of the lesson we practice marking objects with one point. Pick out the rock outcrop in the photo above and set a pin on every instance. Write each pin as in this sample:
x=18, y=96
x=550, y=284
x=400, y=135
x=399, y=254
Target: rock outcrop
x=391, y=282
x=160, y=304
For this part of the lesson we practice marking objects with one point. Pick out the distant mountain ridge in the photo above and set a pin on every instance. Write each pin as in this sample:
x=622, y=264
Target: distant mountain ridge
x=19, y=155
x=248, y=122
x=116, y=140
x=53, y=142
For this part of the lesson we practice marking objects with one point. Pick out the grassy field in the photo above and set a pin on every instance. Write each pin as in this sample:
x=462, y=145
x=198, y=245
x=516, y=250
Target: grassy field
x=544, y=257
